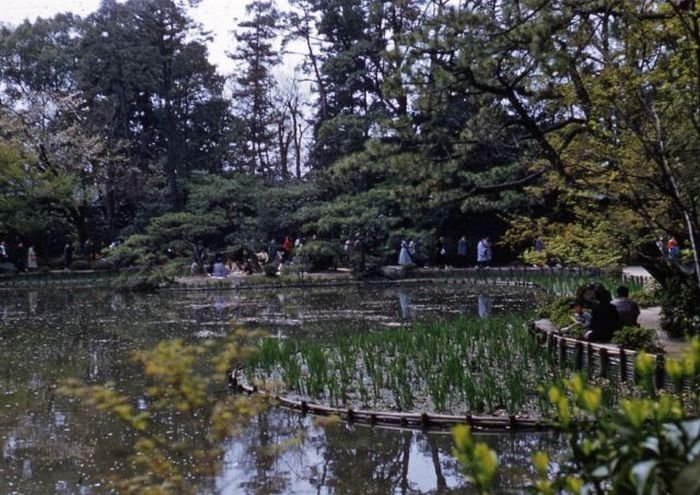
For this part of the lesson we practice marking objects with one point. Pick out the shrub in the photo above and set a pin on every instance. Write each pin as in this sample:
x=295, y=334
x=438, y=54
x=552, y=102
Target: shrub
x=270, y=269
x=643, y=446
x=680, y=311
x=321, y=255
x=130, y=252
x=80, y=265
x=638, y=339
x=102, y=265
x=535, y=258
x=647, y=297
x=557, y=310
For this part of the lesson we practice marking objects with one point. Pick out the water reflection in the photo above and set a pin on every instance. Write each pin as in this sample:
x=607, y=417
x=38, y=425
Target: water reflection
x=485, y=305
x=54, y=445
x=407, y=312
x=32, y=301
x=361, y=459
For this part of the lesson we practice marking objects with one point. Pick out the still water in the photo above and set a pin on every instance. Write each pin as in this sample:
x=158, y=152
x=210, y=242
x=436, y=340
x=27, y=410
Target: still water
x=51, y=444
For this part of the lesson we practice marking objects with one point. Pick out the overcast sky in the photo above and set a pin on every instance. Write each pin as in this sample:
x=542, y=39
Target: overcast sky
x=217, y=16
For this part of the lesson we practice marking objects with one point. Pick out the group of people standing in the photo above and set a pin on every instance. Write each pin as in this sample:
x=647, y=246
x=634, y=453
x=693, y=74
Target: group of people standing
x=599, y=316
x=24, y=259
x=484, y=254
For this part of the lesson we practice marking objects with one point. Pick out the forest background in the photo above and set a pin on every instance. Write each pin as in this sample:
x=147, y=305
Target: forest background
x=573, y=121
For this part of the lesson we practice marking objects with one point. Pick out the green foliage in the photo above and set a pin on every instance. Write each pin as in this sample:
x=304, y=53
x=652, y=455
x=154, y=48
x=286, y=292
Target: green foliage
x=680, y=313
x=557, y=310
x=321, y=255
x=638, y=338
x=33, y=202
x=648, y=296
x=185, y=385
x=586, y=243
x=458, y=365
x=476, y=459
x=643, y=446
x=132, y=251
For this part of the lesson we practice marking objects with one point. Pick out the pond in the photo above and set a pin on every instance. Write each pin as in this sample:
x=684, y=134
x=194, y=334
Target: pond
x=54, y=445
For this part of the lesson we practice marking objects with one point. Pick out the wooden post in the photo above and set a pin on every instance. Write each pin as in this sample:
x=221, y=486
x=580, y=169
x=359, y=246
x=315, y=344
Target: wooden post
x=562, y=352
x=623, y=365
x=578, y=356
x=660, y=372
x=603, y=353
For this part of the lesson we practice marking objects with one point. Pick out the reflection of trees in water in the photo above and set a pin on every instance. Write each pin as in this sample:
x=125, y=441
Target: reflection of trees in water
x=514, y=451
x=357, y=459
x=340, y=458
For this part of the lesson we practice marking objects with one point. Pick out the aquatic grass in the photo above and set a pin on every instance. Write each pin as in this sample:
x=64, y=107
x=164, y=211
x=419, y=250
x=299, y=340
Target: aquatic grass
x=565, y=282
x=481, y=364
x=463, y=365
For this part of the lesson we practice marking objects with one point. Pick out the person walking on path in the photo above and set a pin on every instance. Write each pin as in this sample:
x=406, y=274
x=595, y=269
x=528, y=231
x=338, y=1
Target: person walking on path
x=483, y=252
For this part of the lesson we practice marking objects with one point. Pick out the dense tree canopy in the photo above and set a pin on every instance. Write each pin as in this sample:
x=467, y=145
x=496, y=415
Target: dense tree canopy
x=575, y=121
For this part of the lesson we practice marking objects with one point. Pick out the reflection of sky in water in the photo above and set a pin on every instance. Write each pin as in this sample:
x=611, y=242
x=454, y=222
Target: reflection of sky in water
x=52, y=445
x=323, y=456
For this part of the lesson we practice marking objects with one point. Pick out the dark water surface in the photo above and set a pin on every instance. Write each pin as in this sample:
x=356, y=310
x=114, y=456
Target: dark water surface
x=51, y=444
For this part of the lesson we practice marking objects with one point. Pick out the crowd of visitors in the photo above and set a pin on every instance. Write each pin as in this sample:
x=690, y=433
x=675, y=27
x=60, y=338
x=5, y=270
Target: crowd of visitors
x=410, y=253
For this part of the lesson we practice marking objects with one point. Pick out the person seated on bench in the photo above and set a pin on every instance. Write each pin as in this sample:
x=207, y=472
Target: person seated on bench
x=605, y=320
x=626, y=307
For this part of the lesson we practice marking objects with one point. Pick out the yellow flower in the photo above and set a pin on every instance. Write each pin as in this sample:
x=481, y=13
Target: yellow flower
x=636, y=411
x=486, y=462
x=674, y=369
x=591, y=398
x=554, y=395
x=644, y=364
x=541, y=462
x=575, y=385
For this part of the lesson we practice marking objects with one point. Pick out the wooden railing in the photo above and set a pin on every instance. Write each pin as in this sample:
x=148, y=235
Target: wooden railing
x=603, y=360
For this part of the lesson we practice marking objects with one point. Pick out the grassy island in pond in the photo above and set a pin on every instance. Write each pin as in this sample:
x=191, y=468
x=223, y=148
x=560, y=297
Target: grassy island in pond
x=465, y=365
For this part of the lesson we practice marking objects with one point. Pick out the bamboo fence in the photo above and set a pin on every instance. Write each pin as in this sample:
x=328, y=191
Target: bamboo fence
x=402, y=419
x=603, y=360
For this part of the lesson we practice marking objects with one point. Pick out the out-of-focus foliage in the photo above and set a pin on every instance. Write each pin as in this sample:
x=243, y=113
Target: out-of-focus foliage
x=186, y=385
x=643, y=446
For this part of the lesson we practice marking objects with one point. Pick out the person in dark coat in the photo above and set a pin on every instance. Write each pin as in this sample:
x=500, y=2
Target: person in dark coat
x=67, y=255
x=605, y=320
x=626, y=307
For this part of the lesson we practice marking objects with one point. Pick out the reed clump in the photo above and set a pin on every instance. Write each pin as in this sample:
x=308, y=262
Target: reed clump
x=465, y=365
